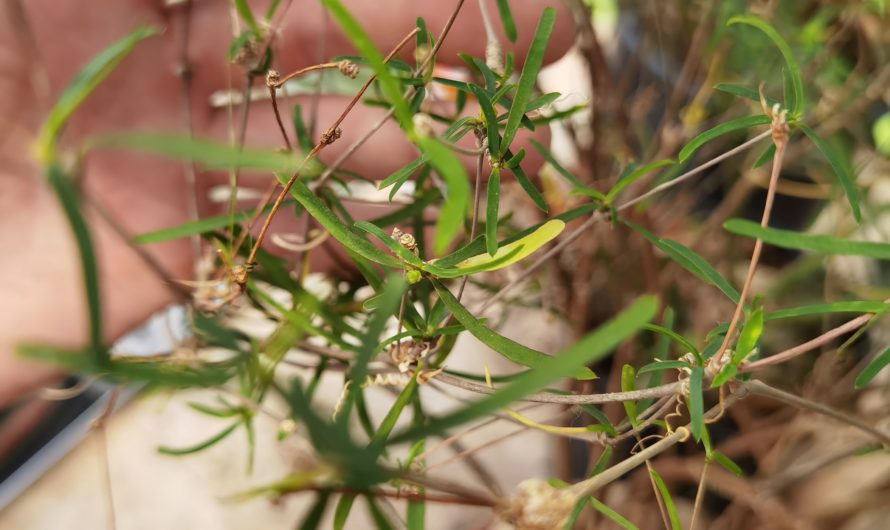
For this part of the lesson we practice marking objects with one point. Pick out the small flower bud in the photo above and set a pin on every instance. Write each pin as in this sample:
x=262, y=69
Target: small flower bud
x=348, y=68
x=273, y=78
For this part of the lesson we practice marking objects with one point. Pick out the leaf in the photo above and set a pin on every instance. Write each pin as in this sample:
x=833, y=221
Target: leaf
x=247, y=16
x=668, y=501
x=454, y=209
x=724, y=128
x=491, y=121
x=745, y=92
x=492, y=202
x=796, y=104
x=726, y=373
x=525, y=246
x=817, y=243
x=696, y=405
x=380, y=520
x=850, y=306
x=869, y=372
x=507, y=19
x=689, y=260
x=592, y=347
x=302, y=134
x=515, y=160
x=67, y=196
x=840, y=170
x=542, y=101
x=190, y=228
x=726, y=463
x=415, y=516
x=527, y=185
x=527, y=79
x=749, y=336
x=312, y=520
x=401, y=175
x=658, y=366
x=548, y=157
x=341, y=513
x=510, y=349
x=392, y=416
x=765, y=157
x=82, y=86
x=674, y=336
x=363, y=43
x=880, y=131
x=628, y=384
x=201, y=446
x=613, y=516
x=634, y=175
x=206, y=153
x=336, y=227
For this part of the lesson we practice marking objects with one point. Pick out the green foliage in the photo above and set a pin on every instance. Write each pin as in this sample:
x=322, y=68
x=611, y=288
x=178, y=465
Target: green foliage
x=816, y=243
x=727, y=127
x=871, y=370
x=840, y=170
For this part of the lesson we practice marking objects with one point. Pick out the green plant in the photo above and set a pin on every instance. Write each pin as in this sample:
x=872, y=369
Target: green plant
x=410, y=285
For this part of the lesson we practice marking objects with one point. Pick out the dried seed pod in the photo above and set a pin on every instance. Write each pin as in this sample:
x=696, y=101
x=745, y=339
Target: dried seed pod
x=348, y=68
x=273, y=79
x=330, y=136
x=537, y=505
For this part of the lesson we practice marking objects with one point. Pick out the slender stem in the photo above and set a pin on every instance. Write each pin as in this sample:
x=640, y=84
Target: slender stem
x=763, y=389
x=315, y=150
x=274, y=99
x=699, y=495
x=693, y=172
x=780, y=138
x=810, y=345
x=306, y=70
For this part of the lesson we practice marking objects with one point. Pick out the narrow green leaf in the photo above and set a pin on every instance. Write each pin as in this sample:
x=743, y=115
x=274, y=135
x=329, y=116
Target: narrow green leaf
x=674, y=336
x=816, y=243
x=527, y=79
x=668, y=501
x=416, y=515
x=696, y=404
x=206, y=153
x=300, y=130
x=592, y=347
x=516, y=160
x=727, y=373
x=726, y=463
x=312, y=520
x=67, y=196
x=634, y=175
x=341, y=513
x=401, y=175
x=869, y=372
x=491, y=121
x=613, y=516
x=377, y=515
x=492, y=202
x=392, y=416
x=850, y=306
x=542, y=101
x=454, y=209
x=628, y=384
x=745, y=92
x=749, y=336
x=724, y=128
x=507, y=19
x=796, y=104
x=658, y=366
x=174, y=451
x=840, y=170
x=210, y=411
x=510, y=349
x=548, y=157
x=880, y=132
x=82, y=86
x=765, y=156
x=689, y=260
x=363, y=43
x=246, y=15
x=336, y=227
x=526, y=184
x=190, y=228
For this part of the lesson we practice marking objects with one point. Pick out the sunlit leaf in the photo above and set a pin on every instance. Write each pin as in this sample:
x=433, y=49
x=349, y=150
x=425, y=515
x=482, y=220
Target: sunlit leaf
x=737, y=124
x=871, y=370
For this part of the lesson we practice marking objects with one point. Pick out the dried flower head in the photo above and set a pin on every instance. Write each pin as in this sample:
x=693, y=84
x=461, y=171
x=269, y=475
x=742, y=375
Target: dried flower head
x=348, y=68
x=536, y=505
x=273, y=79
x=330, y=136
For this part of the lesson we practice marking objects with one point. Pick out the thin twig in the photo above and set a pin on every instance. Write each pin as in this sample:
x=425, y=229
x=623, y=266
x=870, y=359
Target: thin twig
x=699, y=495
